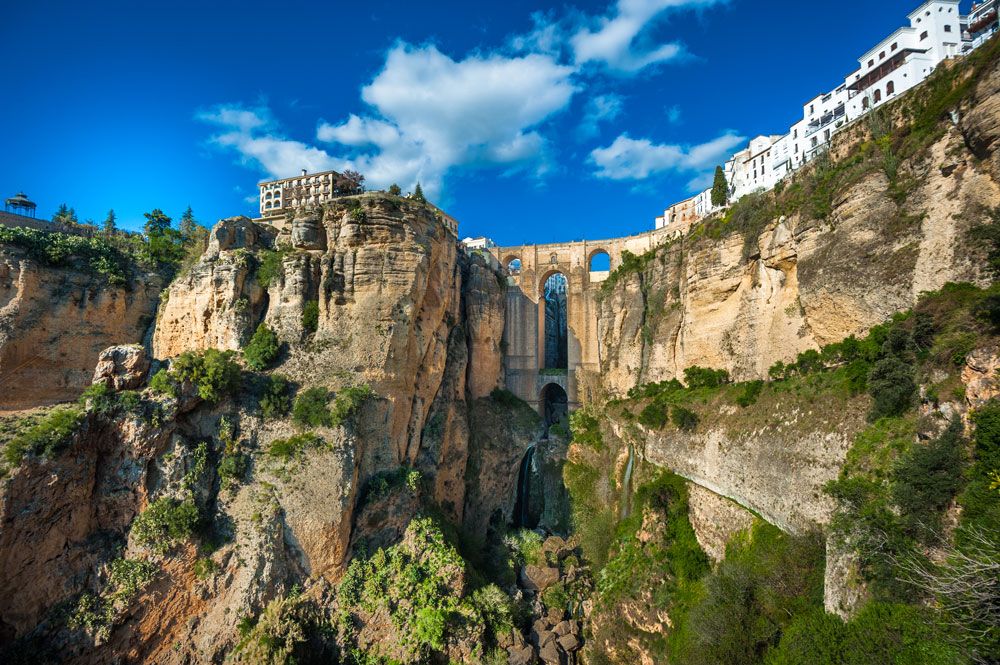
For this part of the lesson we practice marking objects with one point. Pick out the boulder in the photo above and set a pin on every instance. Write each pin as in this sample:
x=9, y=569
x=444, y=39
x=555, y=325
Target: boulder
x=538, y=578
x=569, y=643
x=122, y=367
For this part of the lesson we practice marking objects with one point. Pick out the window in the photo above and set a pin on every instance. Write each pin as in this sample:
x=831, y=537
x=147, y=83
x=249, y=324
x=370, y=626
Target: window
x=947, y=28
x=923, y=35
x=795, y=134
x=881, y=56
x=796, y=148
x=894, y=47
x=871, y=62
x=812, y=108
x=890, y=88
x=864, y=103
x=877, y=97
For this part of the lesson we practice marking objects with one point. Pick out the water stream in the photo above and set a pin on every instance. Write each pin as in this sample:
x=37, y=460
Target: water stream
x=522, y=514
x=627, y=484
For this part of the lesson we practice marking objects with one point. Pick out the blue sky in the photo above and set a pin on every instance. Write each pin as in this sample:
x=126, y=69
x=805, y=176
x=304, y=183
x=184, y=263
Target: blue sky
x=529, y=122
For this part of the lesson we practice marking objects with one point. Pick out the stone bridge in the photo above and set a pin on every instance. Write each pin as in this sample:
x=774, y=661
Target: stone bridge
x=529, y=266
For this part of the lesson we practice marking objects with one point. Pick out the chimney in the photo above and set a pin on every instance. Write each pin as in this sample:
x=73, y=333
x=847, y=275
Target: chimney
x=303, y=171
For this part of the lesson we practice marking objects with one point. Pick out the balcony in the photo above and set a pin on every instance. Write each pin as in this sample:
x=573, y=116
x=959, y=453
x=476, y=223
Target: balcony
x=839, y=113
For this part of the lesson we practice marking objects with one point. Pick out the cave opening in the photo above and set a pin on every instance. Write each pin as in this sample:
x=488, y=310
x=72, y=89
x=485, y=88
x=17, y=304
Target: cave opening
x=556, y=333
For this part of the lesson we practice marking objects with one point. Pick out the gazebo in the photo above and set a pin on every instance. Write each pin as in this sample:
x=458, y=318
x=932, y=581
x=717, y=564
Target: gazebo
x=20, y=204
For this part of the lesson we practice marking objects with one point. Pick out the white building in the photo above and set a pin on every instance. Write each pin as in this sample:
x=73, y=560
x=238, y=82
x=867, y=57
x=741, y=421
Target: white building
x=305, y=189
x=703, y=204
x=481, y=242
x=981, y=24
x=750, y=169
x=936, y=32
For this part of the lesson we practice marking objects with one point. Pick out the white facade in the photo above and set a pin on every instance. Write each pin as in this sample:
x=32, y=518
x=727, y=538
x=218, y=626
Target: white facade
x=751, y=169
x=936, y=32
x=703, y=204
x=479, y=243
x=306, y=189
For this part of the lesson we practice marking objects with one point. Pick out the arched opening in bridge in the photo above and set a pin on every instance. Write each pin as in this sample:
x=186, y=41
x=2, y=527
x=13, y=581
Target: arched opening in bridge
x=555, y=404
x=600, y=261
x=555, y=325
x=513, y=265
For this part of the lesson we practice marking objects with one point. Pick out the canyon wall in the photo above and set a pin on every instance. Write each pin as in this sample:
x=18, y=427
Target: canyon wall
x=55, y=321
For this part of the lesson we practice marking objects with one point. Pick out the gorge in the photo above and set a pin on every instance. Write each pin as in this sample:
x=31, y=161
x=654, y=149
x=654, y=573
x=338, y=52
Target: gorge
x=342, y=437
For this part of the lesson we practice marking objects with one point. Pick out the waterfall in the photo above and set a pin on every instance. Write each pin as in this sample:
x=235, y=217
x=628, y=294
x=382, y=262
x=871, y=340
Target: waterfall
x=522, y=516
x=627, y=484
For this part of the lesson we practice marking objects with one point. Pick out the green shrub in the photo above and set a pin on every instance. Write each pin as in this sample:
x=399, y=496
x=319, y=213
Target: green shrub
x=270, y=266
x=45, y=438
x=416, y=584
x=281, y=635
x=701, y=377
x=97, y=255
x=892, y=388
x=556, y=597
x=233, y=468
x=751, y=391
x=927, y=478
x=164, y=523
x=347, y=402
x=311, y=408
x=294, y=446
x=766, y=579
x=205, y=568
x=262, y=349
x=213, y=374
x=654, y=416
x=310, y=316
x=526, y=546
x=275, y=402
x=684, y=419
x=586, y=429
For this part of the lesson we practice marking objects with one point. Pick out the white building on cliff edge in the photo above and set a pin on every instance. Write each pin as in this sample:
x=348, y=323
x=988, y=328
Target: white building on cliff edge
x=936, y=32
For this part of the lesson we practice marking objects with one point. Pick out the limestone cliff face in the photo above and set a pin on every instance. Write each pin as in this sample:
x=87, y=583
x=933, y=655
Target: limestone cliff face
x=806, y=282
x=55, y=321
x=401, y=309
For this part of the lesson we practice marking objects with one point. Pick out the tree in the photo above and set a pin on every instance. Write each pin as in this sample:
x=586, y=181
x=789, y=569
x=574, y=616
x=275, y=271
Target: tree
x=157, y=223
x=720, y=188
x=395, y=190
x=188, y=225
x=356, y=180
x=110, y=223
x=64, y=215
x=418, y=194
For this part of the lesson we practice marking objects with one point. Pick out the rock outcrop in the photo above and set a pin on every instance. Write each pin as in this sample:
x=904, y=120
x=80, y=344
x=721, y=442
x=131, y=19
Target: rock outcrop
x=804, y=282
x=55, y=321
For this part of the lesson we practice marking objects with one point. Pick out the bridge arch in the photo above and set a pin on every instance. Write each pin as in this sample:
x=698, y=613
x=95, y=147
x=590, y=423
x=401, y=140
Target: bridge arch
x=512, y=263
x=599, y=260
x=554, y=403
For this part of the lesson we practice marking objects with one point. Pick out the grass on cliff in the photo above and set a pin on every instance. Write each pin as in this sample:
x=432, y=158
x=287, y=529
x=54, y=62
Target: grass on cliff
x=418, y=585
x=40, y=435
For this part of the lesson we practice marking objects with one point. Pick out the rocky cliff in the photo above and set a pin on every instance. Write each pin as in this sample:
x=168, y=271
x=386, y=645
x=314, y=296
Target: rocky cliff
x=796, y=280
x=55, y=320
x=404, y=339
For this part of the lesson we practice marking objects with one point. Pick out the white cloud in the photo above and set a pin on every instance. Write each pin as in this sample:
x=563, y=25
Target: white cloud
x=603, y=108
x=616, y=41
x=253, y=135
x=638, y=159
x=431, y=113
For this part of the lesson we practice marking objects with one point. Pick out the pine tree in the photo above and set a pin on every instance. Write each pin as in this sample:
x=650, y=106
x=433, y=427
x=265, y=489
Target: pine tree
x=110, y=223
x=395, y=189
x=157, y=222
x=64, y=215
x=418, y=194
x=188, y=226
x=720, y=188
